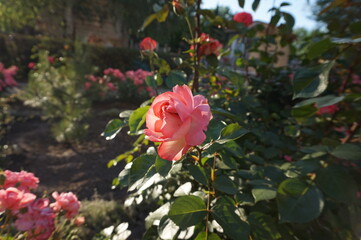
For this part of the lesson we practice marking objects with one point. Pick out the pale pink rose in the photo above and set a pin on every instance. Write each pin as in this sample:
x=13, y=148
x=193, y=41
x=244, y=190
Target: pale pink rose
x=178, y=120
x=243, y=17
x=22, y=180
x=14, y=199
x=78, y=221
x=38, y=221
x=118, y=74
x=67, y=202
x=129, y=74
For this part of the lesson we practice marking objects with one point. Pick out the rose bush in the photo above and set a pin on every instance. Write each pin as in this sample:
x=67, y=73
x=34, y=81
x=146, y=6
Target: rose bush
x=178, y=120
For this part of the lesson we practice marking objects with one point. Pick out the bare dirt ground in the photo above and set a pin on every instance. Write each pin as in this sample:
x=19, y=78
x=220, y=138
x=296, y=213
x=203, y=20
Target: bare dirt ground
x=80, y=168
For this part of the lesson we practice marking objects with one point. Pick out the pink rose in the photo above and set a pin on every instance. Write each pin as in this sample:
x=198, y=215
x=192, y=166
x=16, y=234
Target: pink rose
x=14, y=199
x=87, y=85
x=51, y=59
x=22, y=180
x=108, y=71
x=118, y=74
x=148, y=44
x=111, y=86
x=37, y=221
x=177, y=119
x=288, y=158
x=31, y=65
x=67, y=202
x=243, y=17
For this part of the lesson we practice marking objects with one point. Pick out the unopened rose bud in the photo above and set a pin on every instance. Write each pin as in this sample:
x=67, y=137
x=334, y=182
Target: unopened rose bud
x=178, y=7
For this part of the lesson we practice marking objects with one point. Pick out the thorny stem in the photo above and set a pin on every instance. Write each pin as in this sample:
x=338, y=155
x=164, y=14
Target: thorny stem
x=196, y=56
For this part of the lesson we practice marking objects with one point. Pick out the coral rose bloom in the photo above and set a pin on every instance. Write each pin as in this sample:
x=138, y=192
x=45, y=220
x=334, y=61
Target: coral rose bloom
x=14, y=199
x=148, y=44
x=178, y=120
x=67, y=202
x=243, y=17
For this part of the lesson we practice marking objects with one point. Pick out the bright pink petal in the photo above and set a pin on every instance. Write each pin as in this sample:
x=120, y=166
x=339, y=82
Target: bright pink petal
x=173, y=150
x=171, y=124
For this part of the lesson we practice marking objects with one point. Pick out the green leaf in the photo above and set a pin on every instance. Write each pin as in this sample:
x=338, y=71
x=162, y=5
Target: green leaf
x=148, y=21
x=355, y=27
x=255, y=4
x=151, y=81
x=224, y=184
x=231, y=223
x=176, y=77
x=232, y=132
x=321, y=101
x=126, y=113
x=263, y=193
x=137, y=119
x=160, y=16
x=163, y=166
x=113, y=128
x=298, y=202
x=187, y=211
x=346, y=40
x=241, y=3
x=318, y=48
x=199, y=174
x=263, y=227
x=337, y=183
x=304, y=111
x=290, y=20
x=203, y=236
x=212, y=60
x=140, y=167
x=347, y=151
x=312, y=81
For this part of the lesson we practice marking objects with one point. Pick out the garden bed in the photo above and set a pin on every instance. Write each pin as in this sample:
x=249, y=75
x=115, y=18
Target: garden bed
x=81, y=167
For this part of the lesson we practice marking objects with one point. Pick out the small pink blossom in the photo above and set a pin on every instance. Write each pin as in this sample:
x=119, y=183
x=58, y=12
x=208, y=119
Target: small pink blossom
x=108, y=71
x=78, y=221
x=51, y=59
x=14, y=199
x=118, y=74
x=22, y=180
x=91, y=78
x=111, y=86
x=38, y=221
x=327, y=110
x=67, y=202
x=31, y=65
x=9, y=75
x=356, y=79
x=87, y=85
x=178, y=120
x=288, y=158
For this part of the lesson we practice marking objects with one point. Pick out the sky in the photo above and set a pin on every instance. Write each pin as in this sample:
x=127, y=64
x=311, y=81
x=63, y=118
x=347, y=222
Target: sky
x=300, y=9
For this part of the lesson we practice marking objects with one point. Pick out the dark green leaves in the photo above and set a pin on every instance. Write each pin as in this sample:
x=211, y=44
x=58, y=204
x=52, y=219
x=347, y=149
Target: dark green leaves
x=311, y=82
x=203, y=236
x=263, y=193
x=241, y=3
x=160, y=16
x=176, y=77
x=140, y=167
x=231, y=223
x=163, y=166
x=263, y=226
x=224, y=184
x=321, y=101
x=337, y=183
x=187, y=211
x=304, y=111
x=137, y=119
x=231, y=132
x=113, y=128
x=298, y=202
x=255, y=4
x=347, y=151
x=318, y=48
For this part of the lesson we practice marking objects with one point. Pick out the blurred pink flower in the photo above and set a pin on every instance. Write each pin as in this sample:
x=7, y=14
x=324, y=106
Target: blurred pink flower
x=31, y=65
x=14, y=199
x=51, y=59
x=38, y=220
x=8, y=75
x=91, y=78
x=243, y=17
x=118, y=74
x=87, y=85
x=327, y=110
x=288, y=158
x=148, y=44
x=108, y=71
x=22, y=180
x=356, y=79
x=111, y=86
x=78, y=221
x=67, y=202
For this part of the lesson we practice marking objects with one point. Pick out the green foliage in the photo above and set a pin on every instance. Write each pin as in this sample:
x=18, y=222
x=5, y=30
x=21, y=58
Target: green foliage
x=55, y=88
x=282, y=152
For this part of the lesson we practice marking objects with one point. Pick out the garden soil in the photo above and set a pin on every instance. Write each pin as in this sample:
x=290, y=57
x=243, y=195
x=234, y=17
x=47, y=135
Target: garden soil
x=80, y=168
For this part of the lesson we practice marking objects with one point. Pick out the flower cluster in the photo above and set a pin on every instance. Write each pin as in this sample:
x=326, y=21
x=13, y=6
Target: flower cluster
x=7, y=76
x=36, y=217
x=178, y=120
x=208, y=46
x=115, y=80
